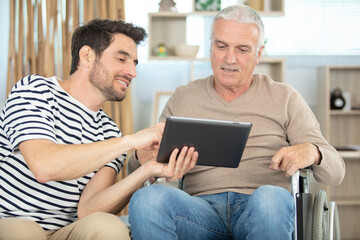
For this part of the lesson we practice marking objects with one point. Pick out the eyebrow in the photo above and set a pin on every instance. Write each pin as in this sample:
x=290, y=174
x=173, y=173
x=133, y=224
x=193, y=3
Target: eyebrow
x=218, y=41
x=127, y=55
x=241, y=45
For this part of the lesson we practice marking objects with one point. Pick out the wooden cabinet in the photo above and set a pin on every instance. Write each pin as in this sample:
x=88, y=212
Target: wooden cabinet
x=342, y=128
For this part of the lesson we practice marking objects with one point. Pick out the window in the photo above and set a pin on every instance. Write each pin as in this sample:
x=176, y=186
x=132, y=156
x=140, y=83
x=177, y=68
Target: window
x=315, y=27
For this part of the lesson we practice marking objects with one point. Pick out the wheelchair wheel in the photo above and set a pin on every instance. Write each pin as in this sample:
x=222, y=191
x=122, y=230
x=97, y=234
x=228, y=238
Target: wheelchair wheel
x=320, y=216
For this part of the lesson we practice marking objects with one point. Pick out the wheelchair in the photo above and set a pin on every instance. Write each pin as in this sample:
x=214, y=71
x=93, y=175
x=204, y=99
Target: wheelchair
x=315, y=218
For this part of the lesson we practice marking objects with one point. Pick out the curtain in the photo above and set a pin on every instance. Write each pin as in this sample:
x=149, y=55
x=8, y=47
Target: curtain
x=40, y=43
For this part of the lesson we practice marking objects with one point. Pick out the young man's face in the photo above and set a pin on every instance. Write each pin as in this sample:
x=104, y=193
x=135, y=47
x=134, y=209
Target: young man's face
x=113, y=71
x=234, y=53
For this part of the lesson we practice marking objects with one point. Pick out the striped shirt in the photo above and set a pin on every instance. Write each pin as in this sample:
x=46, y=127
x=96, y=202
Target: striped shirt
x=38, y=108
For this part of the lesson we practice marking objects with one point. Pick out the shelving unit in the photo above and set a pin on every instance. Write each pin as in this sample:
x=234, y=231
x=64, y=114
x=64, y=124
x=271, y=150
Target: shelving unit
x=273, y=67
x=341, y=129
x=339, y=126
x=169, y=28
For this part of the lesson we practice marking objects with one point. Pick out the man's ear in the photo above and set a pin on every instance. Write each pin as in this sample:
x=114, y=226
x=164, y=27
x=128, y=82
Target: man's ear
x=259, y=54
x=86, y=56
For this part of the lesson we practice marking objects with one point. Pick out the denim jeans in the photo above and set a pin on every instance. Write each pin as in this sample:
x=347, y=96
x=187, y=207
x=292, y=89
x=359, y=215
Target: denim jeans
x=162, y=212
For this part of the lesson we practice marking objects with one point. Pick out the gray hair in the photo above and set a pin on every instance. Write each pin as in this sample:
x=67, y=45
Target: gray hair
x=242, y=14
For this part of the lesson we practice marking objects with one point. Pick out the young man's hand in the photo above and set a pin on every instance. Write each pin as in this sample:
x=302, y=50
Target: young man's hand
x=179, y=164
x=148, y=138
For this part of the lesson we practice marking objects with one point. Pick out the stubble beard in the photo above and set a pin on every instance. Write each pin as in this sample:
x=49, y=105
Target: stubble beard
x=101, y=79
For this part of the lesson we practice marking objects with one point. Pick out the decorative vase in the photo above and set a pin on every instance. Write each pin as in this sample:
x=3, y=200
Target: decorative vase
x=167, y=5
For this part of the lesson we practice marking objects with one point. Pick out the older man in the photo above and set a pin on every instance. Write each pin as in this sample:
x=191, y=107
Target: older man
x=251, y=201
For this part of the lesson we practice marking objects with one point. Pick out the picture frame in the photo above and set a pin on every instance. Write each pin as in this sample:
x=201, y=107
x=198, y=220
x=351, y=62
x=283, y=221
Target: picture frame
x=160, y=101
x=207, y=5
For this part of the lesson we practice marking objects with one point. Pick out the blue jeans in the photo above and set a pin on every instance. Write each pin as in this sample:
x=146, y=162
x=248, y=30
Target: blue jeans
x=161, y=212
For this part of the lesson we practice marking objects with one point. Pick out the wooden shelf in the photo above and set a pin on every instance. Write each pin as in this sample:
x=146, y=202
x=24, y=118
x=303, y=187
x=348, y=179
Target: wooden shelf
x=355, y=155
x=338, y=126
x=167, y=28
x=174, y=58
x=346, y=203
x=341, y=112
x=341, y=128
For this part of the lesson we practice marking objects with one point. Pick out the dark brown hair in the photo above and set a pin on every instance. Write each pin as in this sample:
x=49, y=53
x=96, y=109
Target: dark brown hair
x=98, y=35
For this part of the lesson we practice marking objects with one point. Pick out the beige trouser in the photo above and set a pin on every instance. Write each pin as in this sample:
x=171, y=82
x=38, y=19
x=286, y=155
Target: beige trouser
x=95, y=226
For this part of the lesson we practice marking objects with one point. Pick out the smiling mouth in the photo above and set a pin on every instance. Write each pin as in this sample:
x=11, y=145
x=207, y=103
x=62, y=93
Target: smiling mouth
x=123, y=83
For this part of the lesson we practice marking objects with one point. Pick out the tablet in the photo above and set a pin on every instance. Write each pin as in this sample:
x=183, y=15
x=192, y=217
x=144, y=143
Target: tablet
x=219, y=143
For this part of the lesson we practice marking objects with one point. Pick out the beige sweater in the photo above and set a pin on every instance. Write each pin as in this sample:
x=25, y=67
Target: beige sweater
x=280, y=117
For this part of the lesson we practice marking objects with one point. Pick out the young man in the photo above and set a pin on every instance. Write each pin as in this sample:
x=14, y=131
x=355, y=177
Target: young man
x=252, y=201
x=60, y=153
